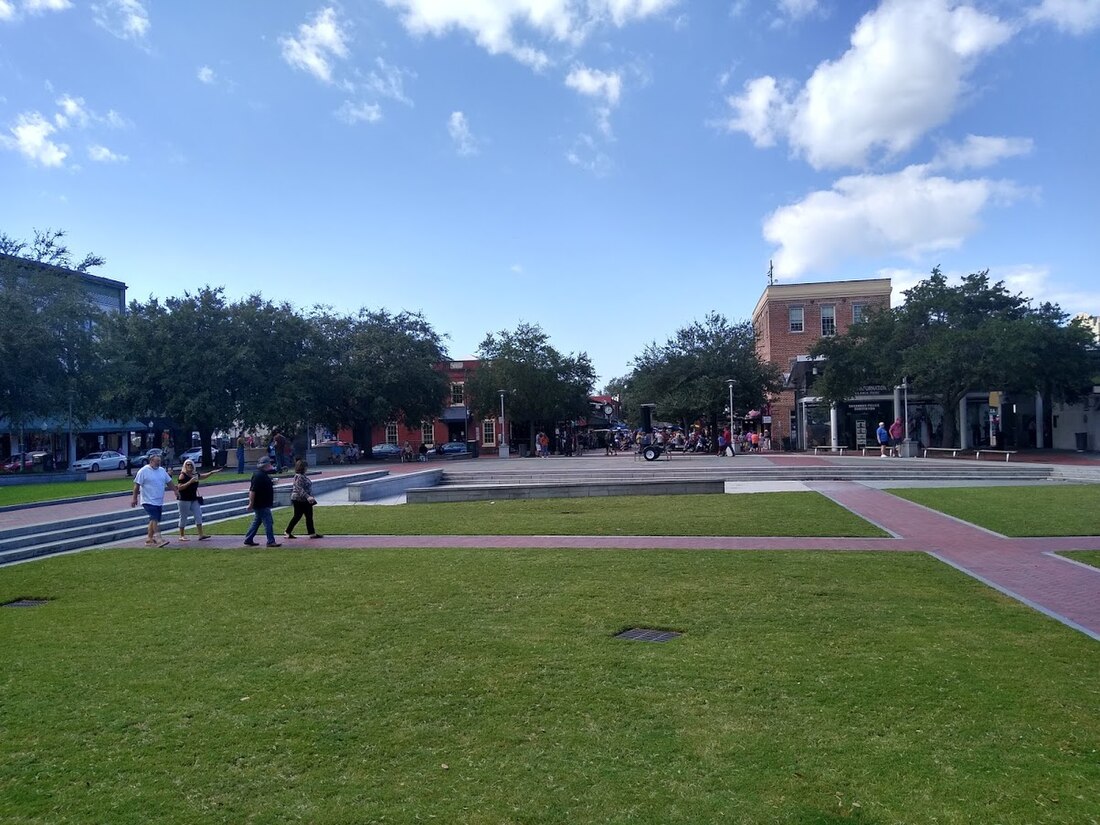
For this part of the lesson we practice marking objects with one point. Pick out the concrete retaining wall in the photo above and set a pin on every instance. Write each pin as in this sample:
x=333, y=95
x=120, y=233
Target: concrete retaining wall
x=393, y=485
x=564, y=490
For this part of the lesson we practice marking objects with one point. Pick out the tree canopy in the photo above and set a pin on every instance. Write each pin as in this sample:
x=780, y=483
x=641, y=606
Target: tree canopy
x=953, y=339
x=687, y=376
x=542, y=386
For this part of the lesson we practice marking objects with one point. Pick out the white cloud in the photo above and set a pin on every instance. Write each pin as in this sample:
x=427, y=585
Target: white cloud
x=1073, y=16
x=585, y=153
x=7, y=10
x=43, y=6
x=459, y=130
x=797, y=9
x=389, y=81
x=979, y=152
x=317, y=45
x=125, y=19
x=72, y=112
x=595, y=83
x=101, y=154
x=206, y=75
x=31, y=138
x=904, y=74
x=493, y=23
x=352, y=113
x=907, y=213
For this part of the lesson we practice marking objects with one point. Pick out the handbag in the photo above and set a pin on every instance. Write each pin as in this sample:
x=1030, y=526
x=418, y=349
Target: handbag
x=200, y=499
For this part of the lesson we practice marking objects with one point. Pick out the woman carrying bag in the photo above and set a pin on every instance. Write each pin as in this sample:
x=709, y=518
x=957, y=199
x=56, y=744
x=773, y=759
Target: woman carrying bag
x=187, y=491
x=301, y=497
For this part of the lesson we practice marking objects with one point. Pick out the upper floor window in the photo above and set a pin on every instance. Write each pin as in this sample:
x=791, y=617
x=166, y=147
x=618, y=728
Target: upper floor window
x=828, y=320
x=797, y=317
x=858, y=312
x=391, y=433
x=458, y=394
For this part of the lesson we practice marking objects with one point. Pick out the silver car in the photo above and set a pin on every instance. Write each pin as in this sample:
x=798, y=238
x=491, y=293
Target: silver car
x=106, y=460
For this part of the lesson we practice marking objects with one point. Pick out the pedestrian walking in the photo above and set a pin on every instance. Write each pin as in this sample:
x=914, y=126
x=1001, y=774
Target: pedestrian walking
x=302, y=500
x=149, y=485
x=261, y=498
x=187, y=489
x=240, y=455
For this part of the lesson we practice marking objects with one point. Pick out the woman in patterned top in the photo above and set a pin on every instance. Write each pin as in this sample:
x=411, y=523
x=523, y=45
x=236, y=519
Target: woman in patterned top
x=301, y=498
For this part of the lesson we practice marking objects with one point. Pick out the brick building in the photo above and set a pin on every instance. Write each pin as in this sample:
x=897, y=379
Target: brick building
x=789, y=319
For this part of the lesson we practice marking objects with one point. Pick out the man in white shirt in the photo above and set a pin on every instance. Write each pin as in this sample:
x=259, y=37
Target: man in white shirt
x=150, y=483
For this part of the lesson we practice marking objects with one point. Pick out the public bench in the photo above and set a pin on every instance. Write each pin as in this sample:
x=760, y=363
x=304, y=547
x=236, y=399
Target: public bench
x=1006, y=453
x=838, y=449
x=953, y=450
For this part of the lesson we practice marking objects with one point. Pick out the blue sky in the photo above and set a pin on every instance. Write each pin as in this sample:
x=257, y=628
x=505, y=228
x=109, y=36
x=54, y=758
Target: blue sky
x=609, y=169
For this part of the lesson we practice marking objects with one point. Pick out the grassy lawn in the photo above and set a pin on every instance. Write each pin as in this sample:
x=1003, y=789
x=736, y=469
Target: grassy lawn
x=1050, y=510
x=483, y=686
x=766, y=514
x=33, y=493
x=1091, y=557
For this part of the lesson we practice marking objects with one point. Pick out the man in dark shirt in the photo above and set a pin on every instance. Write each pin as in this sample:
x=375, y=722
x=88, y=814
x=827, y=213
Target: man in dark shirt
x=261, y=498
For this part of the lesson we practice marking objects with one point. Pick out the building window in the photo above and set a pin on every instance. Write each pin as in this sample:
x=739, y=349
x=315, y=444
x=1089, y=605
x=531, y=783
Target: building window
x=796, y=315
x=458, y=394
x=427, y=432
x=858, y=311
x=488, y=432
x=391, y=433
x=828, y=321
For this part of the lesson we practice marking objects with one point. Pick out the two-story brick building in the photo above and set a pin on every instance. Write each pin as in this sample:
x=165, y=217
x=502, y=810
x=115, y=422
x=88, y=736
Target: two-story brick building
x=789, y=319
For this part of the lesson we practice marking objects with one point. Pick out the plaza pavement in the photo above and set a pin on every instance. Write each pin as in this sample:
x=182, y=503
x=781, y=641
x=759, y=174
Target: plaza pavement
x=1025, y=569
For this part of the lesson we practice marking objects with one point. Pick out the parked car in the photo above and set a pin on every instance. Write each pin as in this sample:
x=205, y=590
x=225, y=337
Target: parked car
x=27, y=461
x=455, y=448
x=106, y=460
x=385, y=451
x=194, y=454
x=141, y=459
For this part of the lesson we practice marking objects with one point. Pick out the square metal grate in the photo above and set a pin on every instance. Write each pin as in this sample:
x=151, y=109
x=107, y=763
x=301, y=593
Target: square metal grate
x=25, y=603
x=647, y=634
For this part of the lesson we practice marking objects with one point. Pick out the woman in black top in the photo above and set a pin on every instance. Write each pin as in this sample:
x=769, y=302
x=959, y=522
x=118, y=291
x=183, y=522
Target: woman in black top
x=187, y=490
x=301, y=497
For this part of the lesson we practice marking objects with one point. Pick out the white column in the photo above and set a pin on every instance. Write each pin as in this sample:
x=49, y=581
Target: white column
x=964, y=435
x=897, y=404
x=834, y=440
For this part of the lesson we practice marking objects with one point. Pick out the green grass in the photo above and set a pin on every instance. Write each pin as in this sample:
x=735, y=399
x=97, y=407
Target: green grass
x=765, y=514
x=57, y=491
x=1090, y=557
x=1050, y=510
x=483, y=686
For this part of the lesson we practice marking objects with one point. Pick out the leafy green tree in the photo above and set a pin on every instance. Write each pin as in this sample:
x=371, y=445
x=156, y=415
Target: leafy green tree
x=379, y=367
x=542, y=385
x=950, y=340
x=687, y=376
x=48, y=355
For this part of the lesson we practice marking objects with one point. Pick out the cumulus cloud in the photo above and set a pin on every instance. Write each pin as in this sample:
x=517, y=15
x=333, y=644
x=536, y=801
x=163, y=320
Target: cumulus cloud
x=459, y=130
x=352, y=113
x=903, y=74
x=1073, y=16
x=907, y=213
x=317, y=45
x=101, y=154
x=125, y=19
x=43, y=6
x=493, y=25
x=72, y=112
x=979, y=152
x=7, y=10
x=206, y=75
x=595, y=83
x=31, y=137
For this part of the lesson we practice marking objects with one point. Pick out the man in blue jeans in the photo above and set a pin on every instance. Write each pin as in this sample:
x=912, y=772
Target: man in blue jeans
x=261, y=498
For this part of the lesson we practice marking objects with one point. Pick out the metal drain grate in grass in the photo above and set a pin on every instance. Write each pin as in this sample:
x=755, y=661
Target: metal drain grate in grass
x=25, y=603
x=647, y=634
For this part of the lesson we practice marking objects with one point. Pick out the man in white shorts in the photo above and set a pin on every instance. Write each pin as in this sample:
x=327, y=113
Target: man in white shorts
x=150, y=483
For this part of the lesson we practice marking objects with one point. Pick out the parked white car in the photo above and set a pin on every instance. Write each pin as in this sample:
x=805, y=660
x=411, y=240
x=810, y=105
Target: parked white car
x=106, y=460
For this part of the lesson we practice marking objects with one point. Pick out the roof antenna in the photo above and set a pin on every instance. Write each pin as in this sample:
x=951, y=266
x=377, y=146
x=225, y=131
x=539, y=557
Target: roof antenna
x=771, y=274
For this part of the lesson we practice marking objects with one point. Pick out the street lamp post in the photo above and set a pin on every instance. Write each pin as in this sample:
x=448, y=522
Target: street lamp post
x=907, y=449
x=503, y=450
x=729, y=383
